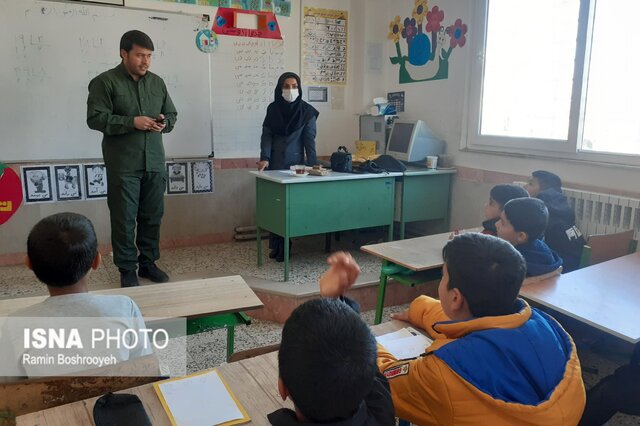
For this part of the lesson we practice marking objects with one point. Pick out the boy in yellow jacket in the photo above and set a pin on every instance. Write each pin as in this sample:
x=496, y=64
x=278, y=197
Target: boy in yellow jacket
x=494, y=359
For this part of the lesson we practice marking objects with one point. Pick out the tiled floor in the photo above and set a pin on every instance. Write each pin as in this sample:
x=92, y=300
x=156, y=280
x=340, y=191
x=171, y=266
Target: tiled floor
x=206, y=350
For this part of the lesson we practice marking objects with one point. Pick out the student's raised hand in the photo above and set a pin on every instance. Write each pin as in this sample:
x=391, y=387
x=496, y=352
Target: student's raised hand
x=401, y=316
x=342, y=273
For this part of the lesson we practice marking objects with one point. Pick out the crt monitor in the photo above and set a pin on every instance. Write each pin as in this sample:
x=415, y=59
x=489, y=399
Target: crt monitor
x=413, y=141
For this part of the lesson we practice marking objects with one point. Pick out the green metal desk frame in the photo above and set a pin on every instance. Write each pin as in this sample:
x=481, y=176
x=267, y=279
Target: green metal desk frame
x=308, y=208
x=404, y=276
x=423, y=195
x=228, y=321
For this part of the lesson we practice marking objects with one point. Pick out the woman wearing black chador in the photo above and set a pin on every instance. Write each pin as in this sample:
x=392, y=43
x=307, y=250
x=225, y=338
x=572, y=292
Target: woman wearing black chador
x=288, y=137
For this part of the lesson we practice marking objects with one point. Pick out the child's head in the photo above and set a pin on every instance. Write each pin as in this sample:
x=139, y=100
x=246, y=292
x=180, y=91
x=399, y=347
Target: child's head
x=542, y=180
x=327, y=360
x=481, y=276
x=62, y=248
x=499, y=196
x=522, y=220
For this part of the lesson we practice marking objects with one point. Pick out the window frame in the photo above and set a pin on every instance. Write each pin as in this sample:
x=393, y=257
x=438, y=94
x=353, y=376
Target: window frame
x=569, y=148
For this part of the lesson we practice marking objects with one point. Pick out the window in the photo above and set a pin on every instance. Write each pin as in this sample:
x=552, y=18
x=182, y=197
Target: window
x=556, y=77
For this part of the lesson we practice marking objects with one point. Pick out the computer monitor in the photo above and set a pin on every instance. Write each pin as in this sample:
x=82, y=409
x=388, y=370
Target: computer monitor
x=413, y=141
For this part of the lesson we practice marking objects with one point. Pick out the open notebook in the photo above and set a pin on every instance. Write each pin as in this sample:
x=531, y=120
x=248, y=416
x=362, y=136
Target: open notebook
x=200, y=399
x=405, y=343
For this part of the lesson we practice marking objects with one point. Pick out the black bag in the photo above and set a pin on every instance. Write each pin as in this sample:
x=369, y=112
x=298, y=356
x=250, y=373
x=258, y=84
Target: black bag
x=390, y=164
x=120, y=409
x=368, y=167
x=341, y=161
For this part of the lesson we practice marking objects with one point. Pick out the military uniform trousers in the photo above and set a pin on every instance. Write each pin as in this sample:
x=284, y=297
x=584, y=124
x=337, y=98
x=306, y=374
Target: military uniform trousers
x=135, y=198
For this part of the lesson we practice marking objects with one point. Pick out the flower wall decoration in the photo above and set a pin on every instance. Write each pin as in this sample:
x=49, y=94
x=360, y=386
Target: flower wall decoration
x=427, y=43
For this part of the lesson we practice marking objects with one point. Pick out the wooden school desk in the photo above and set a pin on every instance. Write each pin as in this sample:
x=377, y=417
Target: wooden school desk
x=412, y=261
x=253, y=381
x=605, y=296
x=206, y=303
x=293, y=206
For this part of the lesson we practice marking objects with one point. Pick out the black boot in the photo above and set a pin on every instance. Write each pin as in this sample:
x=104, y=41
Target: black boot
x=274, y=245
x=280, y=255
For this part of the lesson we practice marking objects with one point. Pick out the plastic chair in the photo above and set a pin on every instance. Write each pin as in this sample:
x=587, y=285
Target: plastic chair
x=603, y=247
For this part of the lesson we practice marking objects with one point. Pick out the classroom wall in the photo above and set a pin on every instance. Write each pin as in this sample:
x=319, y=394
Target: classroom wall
x=209, y=218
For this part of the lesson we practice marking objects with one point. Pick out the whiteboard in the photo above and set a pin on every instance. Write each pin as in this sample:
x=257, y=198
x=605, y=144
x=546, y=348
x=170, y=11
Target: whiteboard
x=245, y=73
x=50, y=51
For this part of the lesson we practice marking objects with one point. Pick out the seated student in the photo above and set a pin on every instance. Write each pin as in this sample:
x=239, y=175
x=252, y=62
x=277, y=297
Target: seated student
x=498, y=197
x=327, y=360
x=62, y=249
x=522, y=223
x=562, y=234
x=494, y=359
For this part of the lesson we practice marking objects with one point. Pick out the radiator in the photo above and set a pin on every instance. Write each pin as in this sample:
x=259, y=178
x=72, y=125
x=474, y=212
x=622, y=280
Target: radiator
x=604, y=214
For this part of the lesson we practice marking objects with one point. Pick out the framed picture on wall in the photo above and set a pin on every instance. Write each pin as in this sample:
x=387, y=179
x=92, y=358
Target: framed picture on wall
x=177, y=178
x=68, y=182
x=36, y=182
x=201, y=176
x=95, y=180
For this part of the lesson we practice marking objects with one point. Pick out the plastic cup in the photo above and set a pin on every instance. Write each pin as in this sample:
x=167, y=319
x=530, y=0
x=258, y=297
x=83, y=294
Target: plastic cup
x=432, y=161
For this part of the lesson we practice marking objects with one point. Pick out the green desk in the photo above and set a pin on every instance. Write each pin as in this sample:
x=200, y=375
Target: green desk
x=423, y=194
x=292, y=206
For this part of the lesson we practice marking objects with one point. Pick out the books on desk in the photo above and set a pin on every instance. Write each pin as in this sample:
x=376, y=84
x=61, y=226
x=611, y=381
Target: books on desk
x=200, y=399
x=405, y=343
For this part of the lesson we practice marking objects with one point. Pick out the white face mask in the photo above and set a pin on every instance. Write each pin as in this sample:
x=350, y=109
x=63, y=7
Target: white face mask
x=290, y=95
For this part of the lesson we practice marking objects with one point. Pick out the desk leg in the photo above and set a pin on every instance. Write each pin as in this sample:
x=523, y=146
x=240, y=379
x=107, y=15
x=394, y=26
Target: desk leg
x=231, y=333
x=259, y=242
x=402, y=224
x=390, y=232
x=382, y=288
x=327, y=242
x=286, y=257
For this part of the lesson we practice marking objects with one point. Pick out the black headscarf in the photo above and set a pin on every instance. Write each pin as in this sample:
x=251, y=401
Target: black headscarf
x=284, y=118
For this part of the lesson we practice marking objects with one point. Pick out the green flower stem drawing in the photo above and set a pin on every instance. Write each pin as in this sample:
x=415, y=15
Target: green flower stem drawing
x=434, y=44
x=445, y=55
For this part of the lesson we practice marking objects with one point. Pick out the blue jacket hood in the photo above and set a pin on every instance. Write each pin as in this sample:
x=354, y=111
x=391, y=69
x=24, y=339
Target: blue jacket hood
x=539, y=257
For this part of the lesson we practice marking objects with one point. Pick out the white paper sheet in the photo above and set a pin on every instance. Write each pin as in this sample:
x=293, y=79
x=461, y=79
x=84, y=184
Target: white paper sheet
x=200, y=400
x=405, y=343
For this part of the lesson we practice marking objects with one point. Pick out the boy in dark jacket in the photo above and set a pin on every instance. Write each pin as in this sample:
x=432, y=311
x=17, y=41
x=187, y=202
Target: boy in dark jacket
x=327, y=360
x=562, y=234
x=522, y=223
x=498, y=197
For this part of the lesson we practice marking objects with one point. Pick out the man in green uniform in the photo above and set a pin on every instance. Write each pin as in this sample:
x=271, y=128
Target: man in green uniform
x=132, y=108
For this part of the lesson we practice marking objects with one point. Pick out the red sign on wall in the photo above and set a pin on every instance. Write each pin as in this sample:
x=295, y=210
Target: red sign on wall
x=226, y=19
x=10, y=193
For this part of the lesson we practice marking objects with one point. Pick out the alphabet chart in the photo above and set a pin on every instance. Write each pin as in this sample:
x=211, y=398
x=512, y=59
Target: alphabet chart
x=324, y=46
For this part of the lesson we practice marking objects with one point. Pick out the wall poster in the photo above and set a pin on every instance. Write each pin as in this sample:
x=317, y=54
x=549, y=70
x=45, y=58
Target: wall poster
x=324, y=46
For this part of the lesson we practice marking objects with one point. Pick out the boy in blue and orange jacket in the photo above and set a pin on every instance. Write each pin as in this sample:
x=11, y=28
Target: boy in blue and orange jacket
x=494, y=359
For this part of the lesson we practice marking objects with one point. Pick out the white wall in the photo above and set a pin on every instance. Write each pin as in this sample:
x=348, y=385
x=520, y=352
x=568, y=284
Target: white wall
x=441, y=104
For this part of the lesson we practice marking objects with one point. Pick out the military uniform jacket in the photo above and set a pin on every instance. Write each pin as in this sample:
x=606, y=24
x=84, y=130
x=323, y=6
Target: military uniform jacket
x=115, y=98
